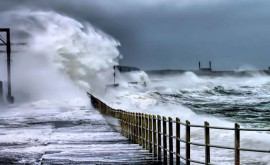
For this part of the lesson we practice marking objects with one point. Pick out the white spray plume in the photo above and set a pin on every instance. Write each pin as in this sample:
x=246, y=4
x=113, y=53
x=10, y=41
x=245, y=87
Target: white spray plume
x=60, y=49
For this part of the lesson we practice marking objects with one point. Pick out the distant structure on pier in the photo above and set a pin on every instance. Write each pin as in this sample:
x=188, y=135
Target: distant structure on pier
x=5, y=45
x=206, y=69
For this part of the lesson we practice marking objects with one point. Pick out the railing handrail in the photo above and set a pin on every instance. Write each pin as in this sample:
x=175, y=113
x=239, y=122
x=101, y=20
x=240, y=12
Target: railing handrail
x=145, y=130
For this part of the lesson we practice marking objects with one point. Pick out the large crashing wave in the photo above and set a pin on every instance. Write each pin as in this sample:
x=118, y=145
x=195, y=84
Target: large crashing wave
x=59, y=49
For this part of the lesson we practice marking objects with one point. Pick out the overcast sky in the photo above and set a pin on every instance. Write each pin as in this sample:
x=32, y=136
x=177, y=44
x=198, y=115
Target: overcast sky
x=170, y=34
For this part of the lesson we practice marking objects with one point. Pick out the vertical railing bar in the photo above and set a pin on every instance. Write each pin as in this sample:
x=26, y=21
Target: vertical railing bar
x=170, y=140
x=207, y=142
x=164, y=140
x=187, y=142
x=159, y=137
x=143, y=130
x=237, y=144
x=155, y=135
x=134, y=127
x=146, y=132
x=150, y=133
x=140, y=129
x=177, y=141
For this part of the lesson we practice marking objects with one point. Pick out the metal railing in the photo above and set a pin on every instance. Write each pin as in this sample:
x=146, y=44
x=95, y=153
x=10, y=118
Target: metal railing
x=145, y=130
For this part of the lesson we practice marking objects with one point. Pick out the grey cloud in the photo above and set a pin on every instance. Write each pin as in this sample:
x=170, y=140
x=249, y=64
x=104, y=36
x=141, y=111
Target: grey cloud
x=170, y=35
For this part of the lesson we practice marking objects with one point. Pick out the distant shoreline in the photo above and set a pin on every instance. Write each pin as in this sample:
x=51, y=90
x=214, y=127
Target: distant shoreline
x=208, y=72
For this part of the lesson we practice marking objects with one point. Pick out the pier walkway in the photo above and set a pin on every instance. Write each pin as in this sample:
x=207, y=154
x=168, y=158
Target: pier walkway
x=64, y=136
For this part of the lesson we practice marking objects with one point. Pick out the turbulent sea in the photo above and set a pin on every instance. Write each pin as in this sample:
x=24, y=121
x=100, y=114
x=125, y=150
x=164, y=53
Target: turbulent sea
x=222, y=101
x=64, y=58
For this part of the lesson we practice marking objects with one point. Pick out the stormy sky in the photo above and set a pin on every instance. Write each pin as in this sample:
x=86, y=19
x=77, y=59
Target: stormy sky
x=175, y=34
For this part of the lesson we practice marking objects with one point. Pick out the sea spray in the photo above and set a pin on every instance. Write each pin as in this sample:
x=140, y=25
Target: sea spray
x=60, y=52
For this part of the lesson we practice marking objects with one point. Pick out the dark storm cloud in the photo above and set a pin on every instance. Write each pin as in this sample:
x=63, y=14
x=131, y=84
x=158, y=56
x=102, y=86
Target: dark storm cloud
x=154, y=34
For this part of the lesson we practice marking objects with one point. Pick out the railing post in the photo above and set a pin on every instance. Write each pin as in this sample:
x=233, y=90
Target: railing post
x=146, y=132
x=140, y=129
x=129, y=125
x=164, y=122
x=237, y=144
x=124, y=122
x=136, y=128
x=159, y=137
x=207, y=142
x=187, y=142
x=133, y=127
x=155, y=135
x=177, y=141
x=143, y=130
x=171, y=140
x=150, y=133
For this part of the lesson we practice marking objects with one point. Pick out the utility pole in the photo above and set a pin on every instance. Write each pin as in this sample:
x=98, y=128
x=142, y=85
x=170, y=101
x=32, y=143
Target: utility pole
x=10, y=98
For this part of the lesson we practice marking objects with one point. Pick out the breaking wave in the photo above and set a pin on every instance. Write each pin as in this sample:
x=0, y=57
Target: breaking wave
x=60, y=52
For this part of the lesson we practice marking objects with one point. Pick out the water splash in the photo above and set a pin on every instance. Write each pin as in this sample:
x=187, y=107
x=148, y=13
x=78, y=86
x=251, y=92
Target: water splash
x=60, y=52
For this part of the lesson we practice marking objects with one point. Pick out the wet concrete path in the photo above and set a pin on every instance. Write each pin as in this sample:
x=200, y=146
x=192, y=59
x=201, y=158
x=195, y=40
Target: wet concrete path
x=75, y=135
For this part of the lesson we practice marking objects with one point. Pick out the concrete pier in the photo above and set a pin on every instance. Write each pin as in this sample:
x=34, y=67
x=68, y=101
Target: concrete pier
x=64, y=136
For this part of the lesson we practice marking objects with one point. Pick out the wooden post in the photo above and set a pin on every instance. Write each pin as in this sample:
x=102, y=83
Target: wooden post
x=121, y=119
x=124, y=122
x=164, y=123
x=237, y=144
x=159, y=137
x=133, y=127
x=129, y=125
x=146, y=132
x=177, y=141
x=155, y=135
x=140, y=129
x=143, y=130
x=171, y=140
x=136, y=128
x=150, y=133
x=207, y=142
x=187, y=142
